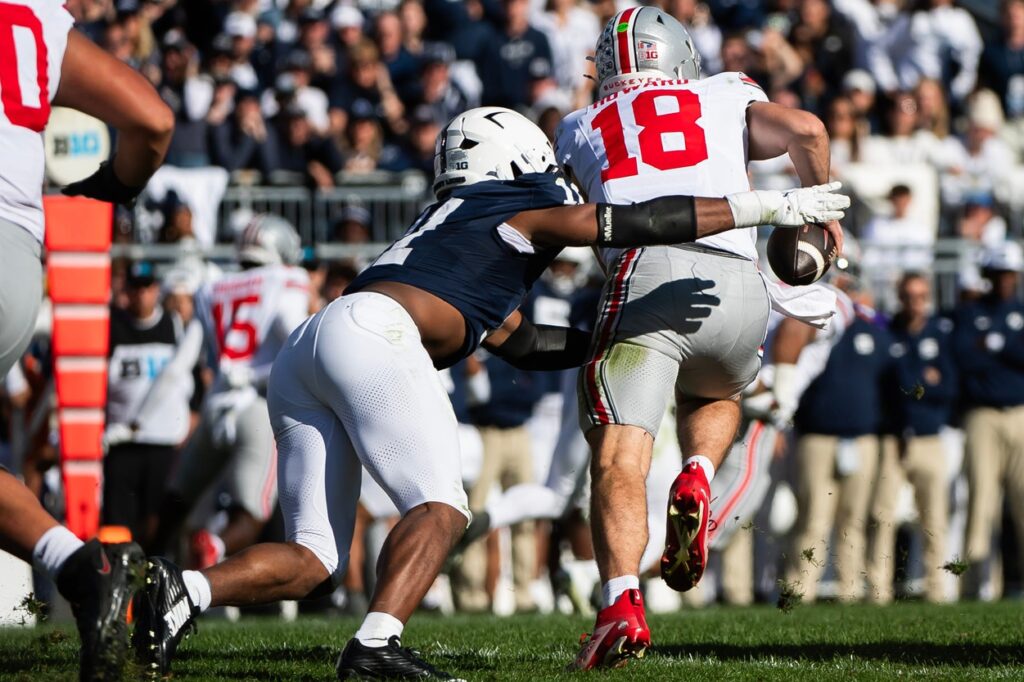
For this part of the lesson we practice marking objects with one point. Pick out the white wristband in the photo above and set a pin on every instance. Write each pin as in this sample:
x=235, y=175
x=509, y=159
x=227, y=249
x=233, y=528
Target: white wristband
x=758, y=207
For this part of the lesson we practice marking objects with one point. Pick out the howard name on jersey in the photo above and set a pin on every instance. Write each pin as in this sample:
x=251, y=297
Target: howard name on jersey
x=248, y=315
x=35, y=35
x=665, y=137
x=461, y=250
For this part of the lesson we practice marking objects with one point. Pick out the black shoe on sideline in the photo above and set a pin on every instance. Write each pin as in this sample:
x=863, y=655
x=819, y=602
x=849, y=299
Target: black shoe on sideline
x=391, y=662
x=99, y=581
x=164, y=615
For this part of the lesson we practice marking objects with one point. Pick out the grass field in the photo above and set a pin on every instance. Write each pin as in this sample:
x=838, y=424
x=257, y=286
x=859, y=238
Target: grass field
x=912, y=641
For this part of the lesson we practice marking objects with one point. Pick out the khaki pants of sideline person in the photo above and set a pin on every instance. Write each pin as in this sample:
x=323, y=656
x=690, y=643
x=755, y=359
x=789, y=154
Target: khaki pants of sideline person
x=923, y=465
x=994, y=462
x=508, y=462
x=827, y=501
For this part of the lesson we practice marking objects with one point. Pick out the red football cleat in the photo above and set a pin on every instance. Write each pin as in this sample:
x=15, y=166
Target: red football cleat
x=620, y=633
x=686, y=534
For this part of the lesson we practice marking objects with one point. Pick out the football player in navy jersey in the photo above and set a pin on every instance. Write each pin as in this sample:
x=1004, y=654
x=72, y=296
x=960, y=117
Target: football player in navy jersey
x=356, y=384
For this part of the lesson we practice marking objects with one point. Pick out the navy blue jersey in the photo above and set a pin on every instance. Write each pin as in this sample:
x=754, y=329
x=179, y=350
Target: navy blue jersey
x=460, y=251
x=925, y=376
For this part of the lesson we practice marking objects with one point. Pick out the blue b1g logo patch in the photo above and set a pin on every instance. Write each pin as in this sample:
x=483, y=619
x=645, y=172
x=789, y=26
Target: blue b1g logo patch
x=77, y=144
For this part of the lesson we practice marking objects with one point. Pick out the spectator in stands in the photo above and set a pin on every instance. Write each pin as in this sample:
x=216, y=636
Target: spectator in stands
x=437, y=91
x=1002, y=62
x=403, y=68
x=907, y=143
x=738, y=55
x=353, y=227
x=860, y=87
x=707, y=36
x=296, y=79
x=144, y=424
x=980, y=224
x=844, y=134
x=365, y=138
x=302, y=151
x=117, y=43
x=369, y=81
x=989, y=347
x=946, y=46
x=572, y=32
x=899, y=229
x=347, y=22
x=243, y=142
x=921, y=400
x=189, y=97
x=414, y=22
x=826, y=42
x=932, y=108
x=241, y=28
x=419, y=149
x=988, y=160
x=837, y=455
x=516, y=56
x=177, y=216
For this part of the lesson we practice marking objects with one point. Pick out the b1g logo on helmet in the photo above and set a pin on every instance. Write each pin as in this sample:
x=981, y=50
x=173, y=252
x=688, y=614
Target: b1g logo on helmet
x=647, y=53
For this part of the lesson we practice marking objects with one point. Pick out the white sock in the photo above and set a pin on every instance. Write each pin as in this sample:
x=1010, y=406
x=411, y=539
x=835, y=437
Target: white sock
x=614, y=588
x=198, y=589
x=704, y=463
x=377, y=628
x=53, y=549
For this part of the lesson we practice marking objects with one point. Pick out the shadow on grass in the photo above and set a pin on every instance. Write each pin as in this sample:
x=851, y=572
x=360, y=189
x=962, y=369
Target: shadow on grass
x=918, y=653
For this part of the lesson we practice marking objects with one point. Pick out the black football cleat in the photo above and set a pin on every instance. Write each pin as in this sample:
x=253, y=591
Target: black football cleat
x=164, y=615
x=99, y=581
x=391, y=662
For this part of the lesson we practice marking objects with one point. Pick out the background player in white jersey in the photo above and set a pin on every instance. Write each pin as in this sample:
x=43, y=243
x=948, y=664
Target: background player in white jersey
x=52, y=64
x=246, y=317
x=691, y=317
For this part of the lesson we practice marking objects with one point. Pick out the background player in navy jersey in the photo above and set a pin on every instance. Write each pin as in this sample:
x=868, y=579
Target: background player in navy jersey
x=356, y=384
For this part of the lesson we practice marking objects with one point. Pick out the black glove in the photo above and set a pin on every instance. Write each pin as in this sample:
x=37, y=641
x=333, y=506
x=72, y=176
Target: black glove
x=105, y=186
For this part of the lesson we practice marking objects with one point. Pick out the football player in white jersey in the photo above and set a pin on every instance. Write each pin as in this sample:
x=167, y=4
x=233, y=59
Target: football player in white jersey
x=246, y=318
x=689, y=318
x=43, y=62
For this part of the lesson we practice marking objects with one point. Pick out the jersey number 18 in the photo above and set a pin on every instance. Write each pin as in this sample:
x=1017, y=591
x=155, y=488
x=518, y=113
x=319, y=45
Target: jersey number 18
x=656, y=128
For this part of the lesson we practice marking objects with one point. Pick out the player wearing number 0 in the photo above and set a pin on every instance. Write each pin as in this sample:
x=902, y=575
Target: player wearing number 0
x=44, y=62
x=689, y=318
x=246, y=318
x=356, y=385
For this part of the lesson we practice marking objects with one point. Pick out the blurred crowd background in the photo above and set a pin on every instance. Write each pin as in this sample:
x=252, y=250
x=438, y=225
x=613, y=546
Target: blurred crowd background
x=325, y=113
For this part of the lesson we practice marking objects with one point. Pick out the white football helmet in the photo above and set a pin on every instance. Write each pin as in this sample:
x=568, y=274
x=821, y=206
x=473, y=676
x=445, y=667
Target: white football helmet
x=489, y=143
x=644, y=42
x=268, y=239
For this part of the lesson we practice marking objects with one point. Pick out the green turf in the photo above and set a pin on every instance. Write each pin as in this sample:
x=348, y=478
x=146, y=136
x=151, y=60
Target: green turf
x=909, y=640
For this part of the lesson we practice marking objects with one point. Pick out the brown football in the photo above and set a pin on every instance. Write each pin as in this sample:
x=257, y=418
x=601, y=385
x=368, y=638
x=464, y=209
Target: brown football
x=800, y=255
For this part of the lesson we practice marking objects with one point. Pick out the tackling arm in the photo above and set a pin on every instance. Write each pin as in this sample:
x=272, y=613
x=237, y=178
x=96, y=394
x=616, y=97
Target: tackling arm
x=677, y=219
x=528, y=346
x=97, y=84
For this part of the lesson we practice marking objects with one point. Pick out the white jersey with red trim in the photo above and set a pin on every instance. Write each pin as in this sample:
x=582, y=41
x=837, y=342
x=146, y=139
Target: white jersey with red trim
x=651, y=138
x=33, y=37
x=247, y=316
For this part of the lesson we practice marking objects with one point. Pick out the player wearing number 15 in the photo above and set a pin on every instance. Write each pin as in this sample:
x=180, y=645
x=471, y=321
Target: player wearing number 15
x=356, y=385
x=246, y=318
x=44, y=62
x=689, y=318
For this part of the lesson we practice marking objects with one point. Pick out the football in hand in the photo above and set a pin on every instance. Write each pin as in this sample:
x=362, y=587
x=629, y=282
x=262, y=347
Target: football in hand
x=800, y=255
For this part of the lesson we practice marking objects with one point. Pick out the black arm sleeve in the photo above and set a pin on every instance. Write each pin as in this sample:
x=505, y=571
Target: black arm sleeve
x=665, y=220
x=544, y=347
